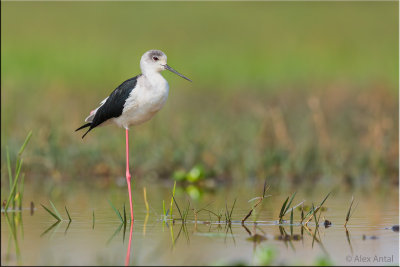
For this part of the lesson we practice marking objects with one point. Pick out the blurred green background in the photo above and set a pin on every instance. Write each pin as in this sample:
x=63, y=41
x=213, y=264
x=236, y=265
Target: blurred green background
x=299, y=92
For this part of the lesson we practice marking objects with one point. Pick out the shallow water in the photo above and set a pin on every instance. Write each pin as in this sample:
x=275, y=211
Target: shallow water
x=36, y=240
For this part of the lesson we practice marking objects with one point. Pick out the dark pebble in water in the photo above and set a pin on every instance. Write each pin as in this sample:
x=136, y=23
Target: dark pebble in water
x=395, y=228
x=327, y=223
x=257, y=238
x=373, y=237
x=287, y=237
x=296, y=237
x=32, y=207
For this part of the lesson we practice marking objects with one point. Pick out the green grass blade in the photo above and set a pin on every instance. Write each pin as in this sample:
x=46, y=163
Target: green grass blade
x=15, y=198
x=69, y=217
x=349, y=211
x=289, y=210
x=289, y=203
x=51, y=213
x=226, y=212
x=13, y=187
x=323, y=201
x=173, y=194
x=28, y=137
x=124, y=215
x=264, y=188
x=283, y=208
x=291, y=223
x=21, y=191
x=10, y=177
x=163, y=208
x=55, y=210
x=145, y=200
x=176, y=204
x=233, y=206
x=116, y=211
x=315, y=216
x=320, y=205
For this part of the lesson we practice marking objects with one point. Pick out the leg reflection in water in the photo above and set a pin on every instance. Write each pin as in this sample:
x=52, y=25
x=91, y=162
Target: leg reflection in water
x=128, y=252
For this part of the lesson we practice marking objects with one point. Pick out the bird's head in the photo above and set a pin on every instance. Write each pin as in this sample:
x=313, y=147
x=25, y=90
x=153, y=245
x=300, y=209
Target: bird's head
x=156, y=61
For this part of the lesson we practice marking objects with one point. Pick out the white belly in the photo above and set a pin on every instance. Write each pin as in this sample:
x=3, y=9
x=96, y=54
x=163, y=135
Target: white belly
x=143, y=103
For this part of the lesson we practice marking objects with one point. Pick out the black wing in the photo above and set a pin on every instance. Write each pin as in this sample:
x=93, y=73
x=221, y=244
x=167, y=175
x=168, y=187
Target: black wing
x=113, y=106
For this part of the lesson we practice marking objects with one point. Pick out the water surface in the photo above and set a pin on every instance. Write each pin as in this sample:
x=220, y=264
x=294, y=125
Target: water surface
x=36, y=239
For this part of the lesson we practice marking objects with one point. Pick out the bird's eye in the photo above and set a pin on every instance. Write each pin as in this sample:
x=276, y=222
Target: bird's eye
x=155, y=58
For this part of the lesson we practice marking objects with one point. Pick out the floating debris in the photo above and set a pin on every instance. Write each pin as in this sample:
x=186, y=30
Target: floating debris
x=395, y=228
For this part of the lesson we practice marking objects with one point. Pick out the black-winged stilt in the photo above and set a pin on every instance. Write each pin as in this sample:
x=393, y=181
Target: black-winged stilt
x=135, y=101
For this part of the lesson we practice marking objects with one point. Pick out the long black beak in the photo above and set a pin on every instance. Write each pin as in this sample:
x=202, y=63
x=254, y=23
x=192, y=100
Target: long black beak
x=177, y=73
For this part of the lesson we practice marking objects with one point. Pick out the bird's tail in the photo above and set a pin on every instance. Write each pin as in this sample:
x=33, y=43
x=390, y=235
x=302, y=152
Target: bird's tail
x=84, y=126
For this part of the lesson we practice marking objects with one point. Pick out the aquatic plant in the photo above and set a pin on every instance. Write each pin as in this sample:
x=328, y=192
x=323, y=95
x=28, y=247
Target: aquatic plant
x=259, y=200
x=228, y=215
x=349, y=213
x=167, y=214
x=55, y=215
x=116, y=212
x=16, y=194
x=218, y=215
x=195, y=174
x=69, y=217
x=285, y=207
x=315, y=210
x=145, y=200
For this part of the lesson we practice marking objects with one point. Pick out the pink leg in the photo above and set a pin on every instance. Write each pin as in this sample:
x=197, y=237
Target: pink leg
x=128, y=252
x=128, y=175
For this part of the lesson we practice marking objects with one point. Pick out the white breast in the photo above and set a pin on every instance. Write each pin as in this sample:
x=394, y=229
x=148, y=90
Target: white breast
x=144, y=101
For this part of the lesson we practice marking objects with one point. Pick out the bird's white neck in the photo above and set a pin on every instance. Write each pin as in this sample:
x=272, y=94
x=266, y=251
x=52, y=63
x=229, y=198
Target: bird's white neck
x=155, y=78
x=150, y=73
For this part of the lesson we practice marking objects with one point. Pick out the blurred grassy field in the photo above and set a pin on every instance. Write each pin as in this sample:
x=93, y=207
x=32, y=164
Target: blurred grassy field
x=299, y=92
